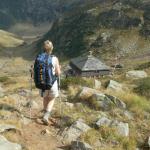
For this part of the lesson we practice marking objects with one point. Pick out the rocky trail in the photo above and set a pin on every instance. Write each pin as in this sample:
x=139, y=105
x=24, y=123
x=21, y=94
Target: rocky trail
x=15, y=102
x=84, y=118
x=32, y=134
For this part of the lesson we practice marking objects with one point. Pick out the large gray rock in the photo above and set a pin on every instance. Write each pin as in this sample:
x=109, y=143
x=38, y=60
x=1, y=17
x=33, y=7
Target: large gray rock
x=103, y=122
x=6, y=145
x=136, y=74
x=114, y=85
x=122, y=128
x=106, y=102
x=77, y=145
x=4, y=127
x=119, y=103
x=87, y=92
x=103, y=101
x=75, y=130
x=97, y=84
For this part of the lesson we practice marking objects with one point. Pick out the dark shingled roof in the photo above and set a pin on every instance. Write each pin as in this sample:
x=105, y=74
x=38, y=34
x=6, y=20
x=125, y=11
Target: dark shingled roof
x=89, y=63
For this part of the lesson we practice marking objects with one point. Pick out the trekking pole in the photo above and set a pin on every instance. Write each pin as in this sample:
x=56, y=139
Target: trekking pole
x=59, y=78
x=31, y=71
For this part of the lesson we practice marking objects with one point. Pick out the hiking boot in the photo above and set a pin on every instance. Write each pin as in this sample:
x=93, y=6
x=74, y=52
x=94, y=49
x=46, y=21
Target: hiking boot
x=46, y=117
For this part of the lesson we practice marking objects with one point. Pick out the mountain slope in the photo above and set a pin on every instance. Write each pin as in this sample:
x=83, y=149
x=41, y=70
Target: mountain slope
x=33, y=11
x=8, y=43
x=9, y=40
x=106, y=27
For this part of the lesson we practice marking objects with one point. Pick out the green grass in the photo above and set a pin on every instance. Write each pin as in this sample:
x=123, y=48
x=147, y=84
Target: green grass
x=9, y=40
x=70, y=81
x=4, y=79
x=145, y=65
x=135, y=103
x=143, y=87
x=107, y=135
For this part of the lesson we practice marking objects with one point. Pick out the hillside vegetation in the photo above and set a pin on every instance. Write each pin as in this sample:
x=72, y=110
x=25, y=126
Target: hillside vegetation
x=108, y=28
x=9, y=40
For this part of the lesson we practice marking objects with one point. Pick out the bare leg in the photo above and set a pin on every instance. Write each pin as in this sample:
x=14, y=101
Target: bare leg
x=50, y=104
x=45, y=102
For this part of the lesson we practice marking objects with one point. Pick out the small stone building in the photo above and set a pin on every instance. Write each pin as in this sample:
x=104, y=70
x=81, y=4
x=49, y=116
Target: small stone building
x=89, y=66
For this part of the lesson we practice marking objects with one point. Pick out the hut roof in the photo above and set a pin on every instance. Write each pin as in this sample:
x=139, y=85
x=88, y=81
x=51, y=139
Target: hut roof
x=89, y=63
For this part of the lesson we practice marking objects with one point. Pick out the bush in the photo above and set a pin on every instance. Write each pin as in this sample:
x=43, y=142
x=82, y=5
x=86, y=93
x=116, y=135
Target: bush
x=143, y=87
x=4, y=79
x=143, y=66
x=66, y=82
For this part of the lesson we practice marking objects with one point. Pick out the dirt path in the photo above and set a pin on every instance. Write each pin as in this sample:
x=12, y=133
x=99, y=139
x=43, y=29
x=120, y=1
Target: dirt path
x=36, y=139
x=34, y=136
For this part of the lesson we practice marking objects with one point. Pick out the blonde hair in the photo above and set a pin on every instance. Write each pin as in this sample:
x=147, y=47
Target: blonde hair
x=50, y=46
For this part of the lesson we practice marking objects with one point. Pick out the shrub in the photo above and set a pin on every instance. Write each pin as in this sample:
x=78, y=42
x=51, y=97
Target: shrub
x=4, y=79
x=66, y=82
x=143, y=66
x=143, y=87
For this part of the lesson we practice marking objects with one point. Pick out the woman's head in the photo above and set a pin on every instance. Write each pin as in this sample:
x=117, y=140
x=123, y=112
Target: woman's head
x=48, y=45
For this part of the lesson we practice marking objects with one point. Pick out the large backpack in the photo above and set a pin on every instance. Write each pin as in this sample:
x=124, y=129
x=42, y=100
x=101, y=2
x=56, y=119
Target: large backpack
x=43, y=72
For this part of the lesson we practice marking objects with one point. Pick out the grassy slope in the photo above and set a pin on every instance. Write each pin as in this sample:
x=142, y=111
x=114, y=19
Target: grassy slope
x=9, y=40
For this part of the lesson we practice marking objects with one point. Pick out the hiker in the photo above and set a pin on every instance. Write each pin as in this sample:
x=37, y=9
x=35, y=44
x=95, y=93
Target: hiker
x=50, y=95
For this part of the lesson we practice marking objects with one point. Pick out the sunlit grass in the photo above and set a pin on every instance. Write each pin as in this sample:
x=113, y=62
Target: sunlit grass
x=9, y=40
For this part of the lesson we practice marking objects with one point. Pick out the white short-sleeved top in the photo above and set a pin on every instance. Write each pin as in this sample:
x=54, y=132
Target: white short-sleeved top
x=53, y=92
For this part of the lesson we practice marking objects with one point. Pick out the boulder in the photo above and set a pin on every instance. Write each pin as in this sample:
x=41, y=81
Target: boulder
x=103, y=101
x=106, y=101
x=119, y=103
x=77, y=145
x=103, y=122
x=136, y=74
x=87, y=92
x=4, y=127
x=75, y=130
x=114, y=85
x=123, y=129
x=6, y=145
x=97, y=84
